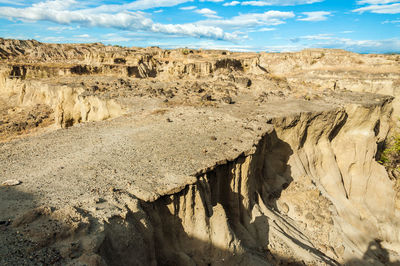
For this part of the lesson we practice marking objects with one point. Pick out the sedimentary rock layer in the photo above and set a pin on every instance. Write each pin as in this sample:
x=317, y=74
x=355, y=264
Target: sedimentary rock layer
x=189, y=157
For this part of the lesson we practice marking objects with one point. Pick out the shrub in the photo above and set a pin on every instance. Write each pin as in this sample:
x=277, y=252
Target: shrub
x=185, y=51
x=390, y=159
x=390, y=156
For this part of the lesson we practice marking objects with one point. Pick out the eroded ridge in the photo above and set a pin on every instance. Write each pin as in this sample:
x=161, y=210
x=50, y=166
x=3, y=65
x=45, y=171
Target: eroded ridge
x=209, y=158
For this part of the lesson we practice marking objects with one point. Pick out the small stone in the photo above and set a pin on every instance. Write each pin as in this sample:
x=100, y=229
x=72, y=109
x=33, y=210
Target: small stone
x=11, y=182
x=285, y=208
x=206, y=97
x=340, y=250
x=227, y=100
x=100, y=200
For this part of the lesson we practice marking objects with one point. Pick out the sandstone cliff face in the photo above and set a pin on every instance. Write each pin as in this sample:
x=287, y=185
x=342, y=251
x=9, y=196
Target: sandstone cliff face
x=293, y=197
x=211, y=158
x=287, y=200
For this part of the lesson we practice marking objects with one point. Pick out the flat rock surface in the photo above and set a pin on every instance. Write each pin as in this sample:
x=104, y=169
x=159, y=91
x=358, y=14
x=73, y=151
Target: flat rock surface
x=148, y=153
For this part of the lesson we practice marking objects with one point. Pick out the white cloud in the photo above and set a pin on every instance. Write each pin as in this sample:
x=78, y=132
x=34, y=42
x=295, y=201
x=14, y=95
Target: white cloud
x=141, y=5
x=11, y=2
x=279, y=2
x=215, y=1
x=82, y=36
x=207, y=45
x=193, y=30
x=251, y=20
x=324, y=36
x=59, y=11
x=371, y=46
x=266, y=29
x=380, y=9
x=207, y=13
x=376, y=2
x=60, y=28
x=391, y=21
x=53, y=39
x=315, y=16
x=360, y=46
x=113, y=38
x=233, y=3
x=188, y=7
x=159, y=11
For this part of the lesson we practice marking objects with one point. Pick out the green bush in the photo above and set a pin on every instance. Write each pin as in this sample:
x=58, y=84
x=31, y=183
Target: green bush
x=390, y=156
x=185, y=51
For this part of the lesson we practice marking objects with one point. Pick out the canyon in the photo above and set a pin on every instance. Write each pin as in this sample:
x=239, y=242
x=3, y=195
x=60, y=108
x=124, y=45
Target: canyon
x=145, y=156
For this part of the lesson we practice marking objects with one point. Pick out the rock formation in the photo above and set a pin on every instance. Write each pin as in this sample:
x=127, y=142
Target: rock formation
x=144, y=156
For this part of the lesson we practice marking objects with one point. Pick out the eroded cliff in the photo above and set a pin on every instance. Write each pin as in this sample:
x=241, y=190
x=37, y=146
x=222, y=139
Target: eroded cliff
x=210, y=158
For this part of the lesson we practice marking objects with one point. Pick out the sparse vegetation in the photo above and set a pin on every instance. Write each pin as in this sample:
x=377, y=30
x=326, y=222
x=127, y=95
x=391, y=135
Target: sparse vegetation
x=390, y=158
x=185, y=51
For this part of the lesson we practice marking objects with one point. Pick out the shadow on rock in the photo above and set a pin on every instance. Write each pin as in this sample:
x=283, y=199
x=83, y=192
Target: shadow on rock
x=375, y=254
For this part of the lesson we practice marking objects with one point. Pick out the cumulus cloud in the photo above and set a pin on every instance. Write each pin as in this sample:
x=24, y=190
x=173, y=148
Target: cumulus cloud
x=140, y=5
x=251, y=20
x=233, y=3
x=194, y=31
x=379, y=6
x=376, y=2
x=82, y=36
x=280, y=2
x=207, y=13
x=380, y=9
x=266, y=29
x=61, y=12
x=59, y=29
x=315, y=16
x=10, y=2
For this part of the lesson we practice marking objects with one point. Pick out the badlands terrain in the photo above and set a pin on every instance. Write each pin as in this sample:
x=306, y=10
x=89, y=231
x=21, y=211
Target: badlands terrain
x=144, y=156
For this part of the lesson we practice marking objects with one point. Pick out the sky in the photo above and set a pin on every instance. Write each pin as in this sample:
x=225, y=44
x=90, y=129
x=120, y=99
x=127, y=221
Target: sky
x=363, y=26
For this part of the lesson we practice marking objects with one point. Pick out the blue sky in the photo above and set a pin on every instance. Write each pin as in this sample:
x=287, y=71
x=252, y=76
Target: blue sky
x=365, y=26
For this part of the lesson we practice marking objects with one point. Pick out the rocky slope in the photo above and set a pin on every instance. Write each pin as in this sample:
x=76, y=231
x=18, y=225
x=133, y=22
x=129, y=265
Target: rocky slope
x=143, y=156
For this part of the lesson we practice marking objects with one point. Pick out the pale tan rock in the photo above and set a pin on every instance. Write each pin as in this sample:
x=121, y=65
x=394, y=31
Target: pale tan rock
x=11, y=182
x=285, y=173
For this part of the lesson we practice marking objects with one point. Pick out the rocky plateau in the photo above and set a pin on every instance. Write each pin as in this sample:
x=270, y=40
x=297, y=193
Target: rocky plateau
x=145, y=156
